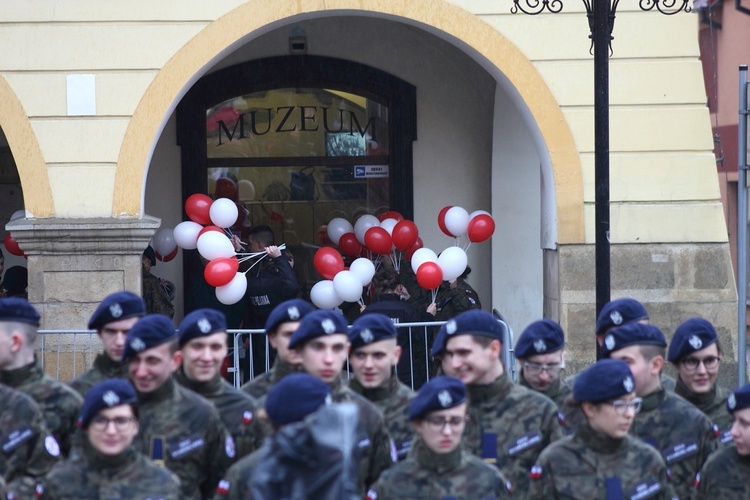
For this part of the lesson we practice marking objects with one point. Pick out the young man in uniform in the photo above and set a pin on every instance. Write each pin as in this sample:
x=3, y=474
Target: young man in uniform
x=508, y=424
x=203, y=344
x=541, y=351
x=373, y=356
x=20, y=370
x=112, y=320
x=178, y=428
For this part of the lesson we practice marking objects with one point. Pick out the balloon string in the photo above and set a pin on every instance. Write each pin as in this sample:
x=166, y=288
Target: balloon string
x=467, y=246
x=434, y=293
x=262, y=255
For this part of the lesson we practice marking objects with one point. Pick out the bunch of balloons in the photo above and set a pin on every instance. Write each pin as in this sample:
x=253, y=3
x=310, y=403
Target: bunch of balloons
x=456, y=222
x=340, y=284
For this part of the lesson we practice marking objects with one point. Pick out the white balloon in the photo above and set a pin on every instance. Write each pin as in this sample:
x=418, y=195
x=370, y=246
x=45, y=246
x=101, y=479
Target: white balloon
x=247, y=190
x=223, y=212
x=323, y=295
x=337, y=228
x=186, y=234
x=232, y=292
x=213, y=244
x=347, y=286
x=452, y=262
x=478, y=212
x=388, y=225
x=163, y=241
x=18, y=214
x=457, y=221
x=421, y=256
x=364, y=269
x=363, y=224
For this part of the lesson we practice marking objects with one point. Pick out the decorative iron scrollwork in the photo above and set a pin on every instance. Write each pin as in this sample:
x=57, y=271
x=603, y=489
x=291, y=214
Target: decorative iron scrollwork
x=534, y=7
x=668, y=7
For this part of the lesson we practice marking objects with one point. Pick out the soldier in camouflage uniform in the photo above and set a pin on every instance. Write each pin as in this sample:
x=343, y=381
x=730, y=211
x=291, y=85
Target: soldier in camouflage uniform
x=107, y=465
x=601, y=460
x=112, y=320
x=679, y=431
x=280, y=325
x=508, y=425
x=28, y=450
x=725, y=474
x=437, y=466
x=322, y=345
x=456, y=296
x=20, y=370
x=696, y=353
x=178, y=428
x=203, y=342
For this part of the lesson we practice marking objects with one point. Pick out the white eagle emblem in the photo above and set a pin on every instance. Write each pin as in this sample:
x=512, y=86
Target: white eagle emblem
x=137, y=345
x=731, y=401
x=204, y=325
x=695, y=342
x=628, y=384
x=609, y=341
x=445, y=398
x=111, y=398
x=616, y=317
x=115, y=310
x=540, y=346
x=293, y=313
x=328, y=326
x=366, y=336
x=451, y=327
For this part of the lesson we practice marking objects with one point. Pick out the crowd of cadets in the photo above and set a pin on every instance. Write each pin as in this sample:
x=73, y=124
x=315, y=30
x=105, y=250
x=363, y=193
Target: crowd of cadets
x=154, y=418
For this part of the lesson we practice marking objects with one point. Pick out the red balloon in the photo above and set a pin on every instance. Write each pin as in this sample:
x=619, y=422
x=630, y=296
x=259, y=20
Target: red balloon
x=221, y=271
x=404, y=235
x=391, y=214
x=167, y=258
x=441, y=220
x=197, y=207
x=378, y=240
x=210, y=228
x=328, y=262
x=349, y=245
x=11, y=245
x=416, y=246
x=429, y=275
x=480, y=228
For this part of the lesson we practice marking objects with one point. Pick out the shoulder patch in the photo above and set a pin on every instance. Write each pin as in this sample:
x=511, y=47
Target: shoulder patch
x=50, y=443
x=371, y=495
x=247, y=417
x=536, y=473
x=223, y=488
x=229, y=446
x=394, y=452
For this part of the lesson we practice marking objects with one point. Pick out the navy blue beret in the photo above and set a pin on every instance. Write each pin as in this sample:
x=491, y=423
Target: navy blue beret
x=632, y=334
x=439, y=393
x=18, y=310
x=474, y=322
x=619, y=312
x=106, y=394
x=692, y=335
x=739, y=399
x=150, y=331
x=288, y=311
x=540, y=337
x=201, y=323
x=317, y=324
x=294, y=397
x=604, y=380
x=371, y=327
x=115, y=307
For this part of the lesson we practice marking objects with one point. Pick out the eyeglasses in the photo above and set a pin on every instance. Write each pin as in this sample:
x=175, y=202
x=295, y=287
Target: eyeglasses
x=101, y=423
x=439, y=423
x=710, y=362
x=621, y=406
x=535, y=368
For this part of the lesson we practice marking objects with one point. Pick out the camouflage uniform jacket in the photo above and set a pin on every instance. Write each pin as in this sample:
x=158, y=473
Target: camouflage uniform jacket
x=236, y=482
x=510, y=425
x=28, y=451
x=427, y=475
x=260, y=385
x=89, y=475
x=684, y=436
x=713, y=405
x=557, y=392
x=451, y=301
x=236, y=409
x=104, y=368
x=393, y=400
x=156, y=298
x=183, y=431
x=379, y=453
x=725, y=475
x=59, y=403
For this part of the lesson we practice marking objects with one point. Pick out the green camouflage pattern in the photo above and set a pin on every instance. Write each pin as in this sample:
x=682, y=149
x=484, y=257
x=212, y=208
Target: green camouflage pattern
x=236, y=482
x=59, y=403
x=259, y=386
x=104, y=368
x=557, y=392
x=509, y=425
x=713, y=405
x=726, y=474
x=452, y=301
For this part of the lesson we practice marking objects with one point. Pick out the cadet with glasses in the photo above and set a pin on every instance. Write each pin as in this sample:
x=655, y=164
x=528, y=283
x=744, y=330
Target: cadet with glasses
x=106, y=465
x=541, y=351
x=601, y=460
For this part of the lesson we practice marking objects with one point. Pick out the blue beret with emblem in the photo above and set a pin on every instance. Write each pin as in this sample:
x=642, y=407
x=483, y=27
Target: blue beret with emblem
x=115, y=307
x=604, y=380
x=106, y=394
x=202, y=323
x=540, y=337
x=288, y=311
x=294, y=397
x=739, y=399
x=369, y=328
x=632, y=334
x=474, y=322
x=692, y=335
x=619, y=312
x=440, y=393
x=18, y=310
x=150, y=331
x=318, y=324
